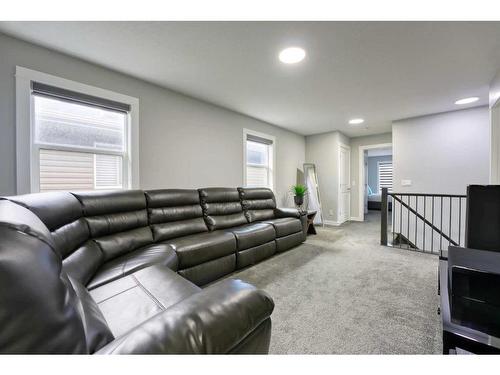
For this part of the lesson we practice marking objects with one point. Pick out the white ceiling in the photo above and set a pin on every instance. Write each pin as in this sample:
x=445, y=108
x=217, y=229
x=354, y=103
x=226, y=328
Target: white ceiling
x=381, y=71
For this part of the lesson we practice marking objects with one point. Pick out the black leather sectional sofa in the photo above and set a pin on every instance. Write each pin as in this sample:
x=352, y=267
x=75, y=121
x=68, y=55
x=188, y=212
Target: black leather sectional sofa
x=122, y=271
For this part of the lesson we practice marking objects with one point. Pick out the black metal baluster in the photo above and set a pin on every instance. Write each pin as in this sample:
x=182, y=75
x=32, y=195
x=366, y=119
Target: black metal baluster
x=416, y=221
x=423, y=246
x=449, y=229
x=432, y=229
x=393, y=218
x=459, y=220
x=400, y=219
x=408, y=222
x=441, y=227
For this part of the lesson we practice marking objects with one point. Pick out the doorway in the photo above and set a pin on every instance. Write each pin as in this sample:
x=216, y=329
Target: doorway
x=375, y=172
x=344, y=206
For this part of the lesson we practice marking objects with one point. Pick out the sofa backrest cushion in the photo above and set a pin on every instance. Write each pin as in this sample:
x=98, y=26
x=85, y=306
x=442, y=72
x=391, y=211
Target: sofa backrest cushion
x=117, y=220
x=258, y=203
x=221, y=208
x=62, y=213
x=39, y=311
x=174, y=213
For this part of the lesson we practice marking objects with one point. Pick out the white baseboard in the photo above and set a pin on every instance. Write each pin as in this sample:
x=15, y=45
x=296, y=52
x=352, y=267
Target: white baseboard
x=356, y=218
x=332, y=223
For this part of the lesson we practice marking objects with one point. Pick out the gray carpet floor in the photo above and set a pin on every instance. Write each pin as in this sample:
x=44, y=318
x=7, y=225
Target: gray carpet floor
x=342, y=293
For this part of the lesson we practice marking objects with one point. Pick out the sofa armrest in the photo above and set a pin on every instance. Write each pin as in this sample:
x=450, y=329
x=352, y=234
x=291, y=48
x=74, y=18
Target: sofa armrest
x=286, y=212
x=213, y=321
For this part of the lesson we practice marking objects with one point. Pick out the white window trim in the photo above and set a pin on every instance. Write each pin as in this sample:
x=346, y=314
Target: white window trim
x=27, y=178
x=247, y=132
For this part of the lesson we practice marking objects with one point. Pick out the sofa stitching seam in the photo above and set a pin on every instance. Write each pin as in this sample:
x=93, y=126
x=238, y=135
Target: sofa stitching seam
x=116, y=294
x=158, y=303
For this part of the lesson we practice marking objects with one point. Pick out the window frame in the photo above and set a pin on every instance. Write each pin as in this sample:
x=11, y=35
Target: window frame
x=378, y=175
x=28, y=152
x=271, y=158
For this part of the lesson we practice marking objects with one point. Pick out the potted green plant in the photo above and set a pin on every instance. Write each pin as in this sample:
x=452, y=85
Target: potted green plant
x=298, y=194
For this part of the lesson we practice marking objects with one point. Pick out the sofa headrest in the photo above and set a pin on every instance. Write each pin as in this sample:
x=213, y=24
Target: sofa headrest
x=172, y=197
x=18, y=218
x=219, y=195
x=39, y=311
x=55, y=209
x=105, y=202
x=255, y=193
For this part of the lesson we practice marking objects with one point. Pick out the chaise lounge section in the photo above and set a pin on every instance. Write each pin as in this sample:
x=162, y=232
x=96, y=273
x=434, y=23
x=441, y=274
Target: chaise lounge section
x=123, y=271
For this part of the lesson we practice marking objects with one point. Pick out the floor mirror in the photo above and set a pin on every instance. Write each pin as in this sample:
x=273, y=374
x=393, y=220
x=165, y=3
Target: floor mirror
x=313, y=202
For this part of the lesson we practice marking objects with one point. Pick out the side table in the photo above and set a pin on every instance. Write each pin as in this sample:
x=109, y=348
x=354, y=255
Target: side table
x=310, y=222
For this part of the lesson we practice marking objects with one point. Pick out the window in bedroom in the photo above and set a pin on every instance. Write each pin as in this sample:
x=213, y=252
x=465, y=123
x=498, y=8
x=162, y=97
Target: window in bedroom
x=77, y=141
x=385, y=175
x=259, y=159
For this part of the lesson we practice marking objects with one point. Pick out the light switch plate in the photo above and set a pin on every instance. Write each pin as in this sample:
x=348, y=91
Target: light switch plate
x=405, y=182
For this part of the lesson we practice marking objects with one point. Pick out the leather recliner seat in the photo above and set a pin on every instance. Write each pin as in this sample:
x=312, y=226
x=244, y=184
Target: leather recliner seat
x=223, y=211
x=176, y=219
x=124, y=270
x=260, y=206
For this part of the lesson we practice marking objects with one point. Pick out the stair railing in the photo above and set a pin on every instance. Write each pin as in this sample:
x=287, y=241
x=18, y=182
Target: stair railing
x=424, y=222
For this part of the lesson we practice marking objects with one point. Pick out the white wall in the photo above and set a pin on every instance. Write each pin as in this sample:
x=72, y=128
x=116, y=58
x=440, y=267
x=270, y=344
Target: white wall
x=323, y=151
x=442, y=153
x=184, y=142
x=356, y=143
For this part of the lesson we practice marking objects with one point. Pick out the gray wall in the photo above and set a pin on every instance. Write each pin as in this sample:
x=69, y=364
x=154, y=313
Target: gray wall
x=356, y=143
x=184, y=142
x=322, y=150
x=442, y=153
x=373, y=171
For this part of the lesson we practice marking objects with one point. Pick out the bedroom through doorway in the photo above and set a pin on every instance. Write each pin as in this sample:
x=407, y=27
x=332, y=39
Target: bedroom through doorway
x=377, y=172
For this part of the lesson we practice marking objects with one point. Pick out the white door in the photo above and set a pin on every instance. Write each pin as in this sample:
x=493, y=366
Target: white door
x=344, y=184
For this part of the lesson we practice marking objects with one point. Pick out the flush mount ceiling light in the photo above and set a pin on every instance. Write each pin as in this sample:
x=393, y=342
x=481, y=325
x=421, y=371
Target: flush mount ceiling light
x=292, y=55
x=356, y=121
x=472, y=99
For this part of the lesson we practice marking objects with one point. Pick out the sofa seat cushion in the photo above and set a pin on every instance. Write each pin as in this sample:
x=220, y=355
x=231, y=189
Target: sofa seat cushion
x=133, y=299
x=287, y=242
x=212, y=270
x=202, y=247
x=143, y=257
x=285, y=226
x=251, y=235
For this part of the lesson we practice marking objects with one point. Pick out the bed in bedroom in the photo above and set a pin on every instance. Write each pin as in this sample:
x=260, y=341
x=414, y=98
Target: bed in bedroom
x=374, y=201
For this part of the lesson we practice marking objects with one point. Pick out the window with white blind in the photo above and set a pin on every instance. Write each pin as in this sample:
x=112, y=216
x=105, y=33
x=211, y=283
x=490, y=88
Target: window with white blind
x=385, y=175
x=78, y=141
x=259, y=159
x=80, y=146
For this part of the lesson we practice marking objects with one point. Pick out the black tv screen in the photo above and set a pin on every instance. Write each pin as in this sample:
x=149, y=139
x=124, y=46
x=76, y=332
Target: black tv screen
x=483, y=217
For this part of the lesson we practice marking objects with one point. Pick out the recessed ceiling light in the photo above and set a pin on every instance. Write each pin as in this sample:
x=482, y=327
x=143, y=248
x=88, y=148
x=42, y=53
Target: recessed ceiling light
x=356, y=121
x=292, y=55
x=467, y=100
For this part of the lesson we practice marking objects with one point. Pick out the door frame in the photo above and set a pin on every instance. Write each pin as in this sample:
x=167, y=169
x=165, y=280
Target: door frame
x=339, y=195
x=361, y=176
